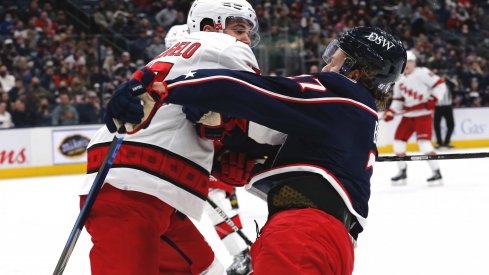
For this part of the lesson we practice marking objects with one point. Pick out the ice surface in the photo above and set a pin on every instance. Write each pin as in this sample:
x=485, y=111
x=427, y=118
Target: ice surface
x=412, y=229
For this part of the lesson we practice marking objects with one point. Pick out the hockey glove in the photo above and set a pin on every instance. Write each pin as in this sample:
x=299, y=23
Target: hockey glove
x=235, y=168
x=125, y=105
x=388, y=115
x=210, y=125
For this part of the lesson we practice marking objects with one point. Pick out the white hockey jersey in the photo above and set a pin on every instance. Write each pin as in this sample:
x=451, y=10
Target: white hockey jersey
x=167, y=159
x=416, y=88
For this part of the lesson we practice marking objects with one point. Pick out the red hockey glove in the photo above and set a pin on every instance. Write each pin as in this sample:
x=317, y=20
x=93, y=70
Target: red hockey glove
x=218, y=132
x=212, y=125
x=388, y=115
x=235, y=168
x=431, y=104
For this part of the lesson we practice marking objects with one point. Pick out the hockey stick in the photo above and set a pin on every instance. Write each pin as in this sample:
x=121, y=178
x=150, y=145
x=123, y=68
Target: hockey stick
x=87, y=206
x=433, y=157
x=230, y=222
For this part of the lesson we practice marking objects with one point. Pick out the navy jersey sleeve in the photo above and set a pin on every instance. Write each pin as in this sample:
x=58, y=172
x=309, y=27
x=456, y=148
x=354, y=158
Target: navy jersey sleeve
x=293, y=105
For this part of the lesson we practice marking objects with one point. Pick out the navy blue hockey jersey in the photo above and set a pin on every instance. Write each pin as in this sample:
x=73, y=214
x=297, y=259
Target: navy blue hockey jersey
x=331, y=123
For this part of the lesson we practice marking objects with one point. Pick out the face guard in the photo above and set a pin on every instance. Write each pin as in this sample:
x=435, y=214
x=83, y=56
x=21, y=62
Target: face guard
x=241, y=25
x=331, y=49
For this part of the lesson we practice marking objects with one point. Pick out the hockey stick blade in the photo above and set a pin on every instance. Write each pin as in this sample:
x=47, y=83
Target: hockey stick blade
x=87, y=206
x=230, y=222
x=433, y=157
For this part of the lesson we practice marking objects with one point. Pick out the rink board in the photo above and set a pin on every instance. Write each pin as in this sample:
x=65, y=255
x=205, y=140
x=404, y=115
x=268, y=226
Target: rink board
x=44, y=151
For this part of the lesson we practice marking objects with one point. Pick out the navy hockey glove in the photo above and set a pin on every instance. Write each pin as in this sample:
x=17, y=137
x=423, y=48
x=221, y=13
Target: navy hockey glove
x=125, y=105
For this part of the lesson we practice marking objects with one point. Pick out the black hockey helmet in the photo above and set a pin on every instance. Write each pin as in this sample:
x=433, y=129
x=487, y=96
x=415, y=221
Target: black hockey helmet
x=373, y=50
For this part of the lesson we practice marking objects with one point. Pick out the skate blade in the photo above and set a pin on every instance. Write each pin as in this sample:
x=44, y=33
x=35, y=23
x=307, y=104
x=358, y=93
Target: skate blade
x=399, y=182
x=435, y=183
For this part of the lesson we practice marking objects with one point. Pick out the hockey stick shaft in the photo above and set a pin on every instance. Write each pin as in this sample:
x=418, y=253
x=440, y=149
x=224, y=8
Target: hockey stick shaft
x=434, y=157
x=87, y=206
x=230, y=222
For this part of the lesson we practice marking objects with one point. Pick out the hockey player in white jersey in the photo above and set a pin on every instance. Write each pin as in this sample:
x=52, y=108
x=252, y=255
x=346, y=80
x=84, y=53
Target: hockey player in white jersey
x=160, y=176
x=415, y=97
x=219, y=193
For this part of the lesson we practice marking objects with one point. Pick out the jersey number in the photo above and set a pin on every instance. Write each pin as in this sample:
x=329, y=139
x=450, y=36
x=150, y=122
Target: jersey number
x=315, y=86
x=161, y=69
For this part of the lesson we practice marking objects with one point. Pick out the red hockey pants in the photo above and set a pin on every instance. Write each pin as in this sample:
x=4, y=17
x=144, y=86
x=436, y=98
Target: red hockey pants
x=135, y=233
x=303, y=241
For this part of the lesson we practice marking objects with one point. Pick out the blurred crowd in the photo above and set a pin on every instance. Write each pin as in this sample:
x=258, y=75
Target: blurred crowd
x=54, y=73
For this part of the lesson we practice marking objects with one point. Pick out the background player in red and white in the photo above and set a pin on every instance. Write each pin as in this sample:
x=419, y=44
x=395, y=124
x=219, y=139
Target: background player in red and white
x=219, y=193
x=415, y=97
x=139, y=223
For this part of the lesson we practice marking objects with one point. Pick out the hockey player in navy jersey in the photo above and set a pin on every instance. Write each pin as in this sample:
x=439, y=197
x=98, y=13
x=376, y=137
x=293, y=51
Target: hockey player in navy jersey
x=318, y=185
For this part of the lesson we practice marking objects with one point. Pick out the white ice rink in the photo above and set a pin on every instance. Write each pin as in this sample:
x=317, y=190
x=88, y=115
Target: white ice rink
x=412, y=229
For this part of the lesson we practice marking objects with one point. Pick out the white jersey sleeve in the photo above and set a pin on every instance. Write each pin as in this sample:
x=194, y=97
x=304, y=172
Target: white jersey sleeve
x=433, y=82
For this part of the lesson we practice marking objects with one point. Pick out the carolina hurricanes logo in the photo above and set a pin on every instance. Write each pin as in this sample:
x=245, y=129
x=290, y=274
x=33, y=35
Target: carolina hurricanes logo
x=218, y=26
x=410, y=92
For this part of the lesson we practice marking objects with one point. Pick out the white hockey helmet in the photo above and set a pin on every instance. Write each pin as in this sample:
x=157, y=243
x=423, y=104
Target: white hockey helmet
x=221, y=10
x=174, y=34
x=410, y=56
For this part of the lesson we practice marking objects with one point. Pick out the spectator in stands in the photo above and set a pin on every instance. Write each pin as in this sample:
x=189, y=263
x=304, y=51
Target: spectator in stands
x=6, y=25
x=7, y=81
x=166, y=17
x=34, y=11
x=43, y=112
x=62, y=77
x=97, y=77
x=47, y=78
x=8, y=53
x=138, y=46
x=5, y=117
x=17, y=91
x=100, y=17
x=77, y=90
x=125, y=68
x=37, y=90
x=45, y=24
x=473, y=93
x=20, y=116
x=155, y=48
x=64, y=113
x=76, y=59
x=89, y=109
x=103, y=108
